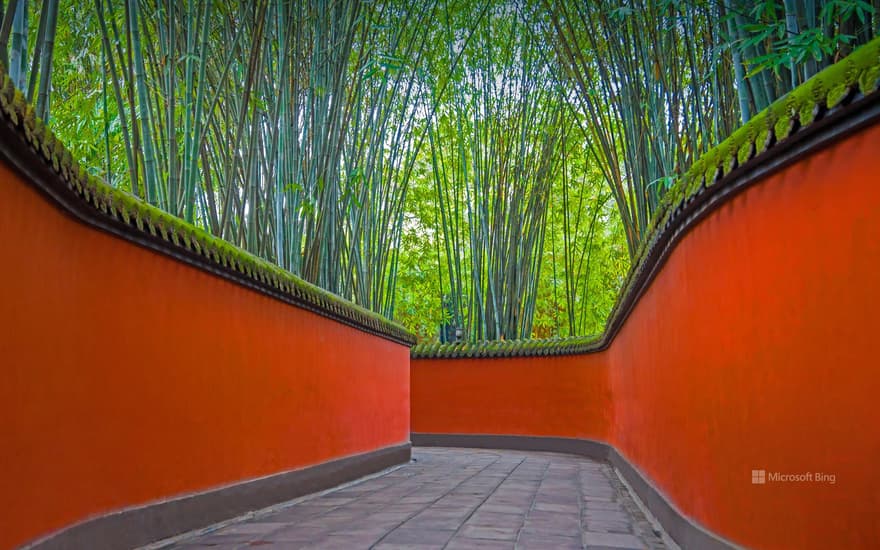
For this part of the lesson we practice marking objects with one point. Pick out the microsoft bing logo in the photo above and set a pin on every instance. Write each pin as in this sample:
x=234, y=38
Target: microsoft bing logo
x=763, y=477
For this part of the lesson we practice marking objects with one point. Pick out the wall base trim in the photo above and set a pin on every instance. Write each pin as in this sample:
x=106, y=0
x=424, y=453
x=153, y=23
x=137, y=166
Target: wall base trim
x=588, y=448
x=683, y=530
x=137, y=526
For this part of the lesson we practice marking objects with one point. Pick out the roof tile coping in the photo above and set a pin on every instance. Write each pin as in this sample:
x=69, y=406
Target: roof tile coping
x=141, y=217
x=507, y=348
x=857, y=74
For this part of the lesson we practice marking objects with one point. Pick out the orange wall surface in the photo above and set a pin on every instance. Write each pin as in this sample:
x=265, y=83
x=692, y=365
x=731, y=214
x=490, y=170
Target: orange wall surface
x=566, y=396
x=129, y=377
x=757, y=347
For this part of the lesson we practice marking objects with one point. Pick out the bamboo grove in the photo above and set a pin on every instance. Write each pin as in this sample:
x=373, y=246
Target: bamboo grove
x=478, y=169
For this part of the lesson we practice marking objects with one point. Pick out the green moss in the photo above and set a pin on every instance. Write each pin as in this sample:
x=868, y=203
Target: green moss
x=836, y=95
x=745, y=152
x=763, y=141
x=712, y=175
x=808, y=111
x=508, y=348
x=870, y=80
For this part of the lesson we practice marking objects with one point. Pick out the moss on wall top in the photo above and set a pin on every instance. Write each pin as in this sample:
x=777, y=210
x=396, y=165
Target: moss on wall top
x=508, y=348
x=855, y=77
x=172, y=233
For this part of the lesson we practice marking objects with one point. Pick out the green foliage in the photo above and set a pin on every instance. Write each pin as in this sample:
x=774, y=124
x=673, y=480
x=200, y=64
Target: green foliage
x=506, y=160
x=495, y=151
x=839, y=25
x=648, y=89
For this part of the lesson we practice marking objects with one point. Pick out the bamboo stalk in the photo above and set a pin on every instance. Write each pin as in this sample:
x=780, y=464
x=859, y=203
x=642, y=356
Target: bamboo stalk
x=18, y=54
x=6, y=29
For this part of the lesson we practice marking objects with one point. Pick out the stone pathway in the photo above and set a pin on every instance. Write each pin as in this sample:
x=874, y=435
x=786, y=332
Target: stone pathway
x=455, y=498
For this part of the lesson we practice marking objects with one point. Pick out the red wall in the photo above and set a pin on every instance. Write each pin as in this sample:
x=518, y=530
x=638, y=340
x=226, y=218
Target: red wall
x=756, y=347
x=565, y=396
x=128, y=377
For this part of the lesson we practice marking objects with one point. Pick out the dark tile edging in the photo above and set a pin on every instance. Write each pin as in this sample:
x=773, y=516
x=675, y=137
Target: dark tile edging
x=685, y=531
x=141, y=525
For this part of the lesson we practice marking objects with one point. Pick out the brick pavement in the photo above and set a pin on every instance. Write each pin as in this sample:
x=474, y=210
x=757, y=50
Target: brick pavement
x=453, y=499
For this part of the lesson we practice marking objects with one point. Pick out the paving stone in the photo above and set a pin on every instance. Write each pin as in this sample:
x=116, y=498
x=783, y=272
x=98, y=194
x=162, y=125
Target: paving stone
x=445, y=512
x=459, y=501
x=342, y=541
x=202, y=545
x=491, y=506
x=554, y=518
x=489, y=532
x=602, y=505
x=432, y=523
x=251, y=528
x=333, y=501
x=456, y=498
x=610, y=497
x=327, y=524
x=418, y=536
x=487, y=518
x=552, y=507
x=622, y=525
x=295, y=514
x=548, y=542
x=524, y=500
x=465, y=543
x=297, y=533
x=542, y=528
x=419, y=499
x=604, y=492
x=610, y=527
x=606, y=515
x=612, y=540
x=362, y=529
x=409, y=546
x=215, y=538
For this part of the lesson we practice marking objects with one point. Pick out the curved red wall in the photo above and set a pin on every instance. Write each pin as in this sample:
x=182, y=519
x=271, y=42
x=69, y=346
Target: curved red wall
x=129, y=377
x=756, y=347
